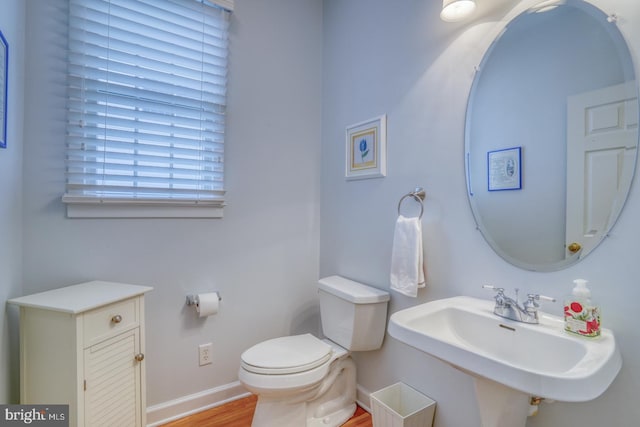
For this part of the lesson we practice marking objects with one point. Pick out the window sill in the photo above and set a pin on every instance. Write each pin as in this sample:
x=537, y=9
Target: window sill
x=85, y=207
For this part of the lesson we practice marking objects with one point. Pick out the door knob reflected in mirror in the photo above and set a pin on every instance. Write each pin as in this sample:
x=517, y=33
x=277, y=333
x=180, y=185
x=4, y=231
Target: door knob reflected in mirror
x=574, y=247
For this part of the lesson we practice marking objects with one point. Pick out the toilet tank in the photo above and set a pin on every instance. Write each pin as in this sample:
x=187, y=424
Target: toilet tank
x=353, y=315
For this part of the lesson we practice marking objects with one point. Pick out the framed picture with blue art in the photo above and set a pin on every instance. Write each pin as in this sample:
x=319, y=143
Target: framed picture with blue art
x=504, y=169
x=4, y=69
x=366, y=149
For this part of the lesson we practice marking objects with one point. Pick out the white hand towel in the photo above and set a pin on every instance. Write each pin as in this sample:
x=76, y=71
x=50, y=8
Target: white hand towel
x=407, y=261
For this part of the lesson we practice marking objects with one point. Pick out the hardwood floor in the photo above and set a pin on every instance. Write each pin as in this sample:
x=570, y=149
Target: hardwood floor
x=239, y=413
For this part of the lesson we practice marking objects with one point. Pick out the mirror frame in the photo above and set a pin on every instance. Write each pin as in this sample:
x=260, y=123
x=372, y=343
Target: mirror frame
x=4, y=79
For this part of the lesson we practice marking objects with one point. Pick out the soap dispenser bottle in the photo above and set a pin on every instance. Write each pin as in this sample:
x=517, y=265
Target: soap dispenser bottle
x=581, y=316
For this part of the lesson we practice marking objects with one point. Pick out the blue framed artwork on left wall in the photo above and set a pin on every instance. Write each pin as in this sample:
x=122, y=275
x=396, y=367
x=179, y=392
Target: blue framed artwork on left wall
x=4, y=71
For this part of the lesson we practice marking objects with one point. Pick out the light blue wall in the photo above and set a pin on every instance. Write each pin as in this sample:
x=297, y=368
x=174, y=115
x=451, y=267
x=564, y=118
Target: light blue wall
x=336, y=63
x=262, y=257
x=11, y=25
x=383, y=57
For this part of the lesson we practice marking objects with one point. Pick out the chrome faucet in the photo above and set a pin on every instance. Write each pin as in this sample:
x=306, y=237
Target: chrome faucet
x=510, y=308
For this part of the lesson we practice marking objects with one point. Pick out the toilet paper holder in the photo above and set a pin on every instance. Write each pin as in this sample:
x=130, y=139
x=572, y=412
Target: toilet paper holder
x=191, y=299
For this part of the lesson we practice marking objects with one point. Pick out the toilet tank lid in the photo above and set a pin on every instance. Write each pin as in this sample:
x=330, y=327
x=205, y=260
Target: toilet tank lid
x=351, y=291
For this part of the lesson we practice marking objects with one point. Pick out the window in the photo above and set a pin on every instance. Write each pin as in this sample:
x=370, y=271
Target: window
x=146, y=108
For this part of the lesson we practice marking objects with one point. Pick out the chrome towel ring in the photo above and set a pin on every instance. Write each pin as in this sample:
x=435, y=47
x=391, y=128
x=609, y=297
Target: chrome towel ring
x=418, y=195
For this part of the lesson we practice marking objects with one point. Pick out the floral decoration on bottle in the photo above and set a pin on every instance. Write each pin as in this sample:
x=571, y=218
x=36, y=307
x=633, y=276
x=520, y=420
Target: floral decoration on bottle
x=582, y=320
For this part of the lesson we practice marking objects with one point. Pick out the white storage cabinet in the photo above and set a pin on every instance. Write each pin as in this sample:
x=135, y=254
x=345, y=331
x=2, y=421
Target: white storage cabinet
x=83, y=345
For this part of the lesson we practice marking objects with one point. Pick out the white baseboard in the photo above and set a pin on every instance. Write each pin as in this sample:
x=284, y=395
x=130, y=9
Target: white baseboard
x=207, y=399
x=362, y=397
x=193, y=403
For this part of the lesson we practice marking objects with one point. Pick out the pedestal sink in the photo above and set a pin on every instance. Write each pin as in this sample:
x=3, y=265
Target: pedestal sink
x=510, y=361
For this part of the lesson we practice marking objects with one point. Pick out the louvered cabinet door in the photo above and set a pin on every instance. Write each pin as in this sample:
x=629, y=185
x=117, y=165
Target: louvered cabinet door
x=83, y=346
x=112, y=370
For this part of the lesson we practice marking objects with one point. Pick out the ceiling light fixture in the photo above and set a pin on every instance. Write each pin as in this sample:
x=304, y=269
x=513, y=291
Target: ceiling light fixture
x=457, y=10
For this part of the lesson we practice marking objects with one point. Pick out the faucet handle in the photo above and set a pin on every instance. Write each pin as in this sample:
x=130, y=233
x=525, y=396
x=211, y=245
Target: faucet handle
x=532, y=305
x=541, y=297
x=499, y=290
x=499, y=297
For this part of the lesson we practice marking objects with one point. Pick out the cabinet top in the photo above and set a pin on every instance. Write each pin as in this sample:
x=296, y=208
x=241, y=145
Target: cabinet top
x=82, y=297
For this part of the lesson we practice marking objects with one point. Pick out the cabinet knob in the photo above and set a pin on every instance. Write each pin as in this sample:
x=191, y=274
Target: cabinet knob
x=139, y=357
x=116, y=319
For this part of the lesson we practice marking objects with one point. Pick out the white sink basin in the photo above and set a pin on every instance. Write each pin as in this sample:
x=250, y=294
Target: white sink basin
x=541, y=360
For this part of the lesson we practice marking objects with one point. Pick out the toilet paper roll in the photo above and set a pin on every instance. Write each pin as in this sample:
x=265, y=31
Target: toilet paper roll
x=207, y=304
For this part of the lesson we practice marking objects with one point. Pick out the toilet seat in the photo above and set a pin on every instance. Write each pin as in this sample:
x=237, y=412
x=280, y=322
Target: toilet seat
x=286, y=355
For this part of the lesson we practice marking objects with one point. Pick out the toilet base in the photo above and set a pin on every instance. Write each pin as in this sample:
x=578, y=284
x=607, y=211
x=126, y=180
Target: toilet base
x=330, y=404
x=336, y=418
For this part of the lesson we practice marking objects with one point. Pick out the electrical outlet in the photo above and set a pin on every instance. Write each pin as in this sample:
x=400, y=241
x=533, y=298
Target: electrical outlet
x=205, y=352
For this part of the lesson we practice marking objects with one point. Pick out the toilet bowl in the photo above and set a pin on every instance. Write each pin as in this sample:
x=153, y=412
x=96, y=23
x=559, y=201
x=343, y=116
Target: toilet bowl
x=307, y=384
x=302, y=380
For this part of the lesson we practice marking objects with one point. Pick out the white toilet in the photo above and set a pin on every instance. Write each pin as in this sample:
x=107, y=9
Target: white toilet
x=305, y=381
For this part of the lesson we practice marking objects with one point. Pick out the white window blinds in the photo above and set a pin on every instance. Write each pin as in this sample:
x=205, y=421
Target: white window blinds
x=146, y=103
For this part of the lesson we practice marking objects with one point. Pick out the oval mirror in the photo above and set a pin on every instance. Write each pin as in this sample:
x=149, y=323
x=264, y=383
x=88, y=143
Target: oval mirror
x=551, y=135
